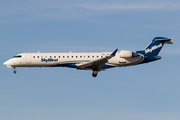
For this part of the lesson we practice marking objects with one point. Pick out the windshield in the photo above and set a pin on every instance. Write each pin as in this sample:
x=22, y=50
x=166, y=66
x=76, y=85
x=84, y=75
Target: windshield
x=17, y=56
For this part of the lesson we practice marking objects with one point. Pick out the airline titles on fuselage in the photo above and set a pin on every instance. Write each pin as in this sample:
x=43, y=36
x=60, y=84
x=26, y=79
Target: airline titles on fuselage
x=49, y=60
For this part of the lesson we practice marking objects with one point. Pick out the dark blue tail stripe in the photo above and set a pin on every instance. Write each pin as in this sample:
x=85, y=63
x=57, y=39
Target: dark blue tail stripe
x=153, y=49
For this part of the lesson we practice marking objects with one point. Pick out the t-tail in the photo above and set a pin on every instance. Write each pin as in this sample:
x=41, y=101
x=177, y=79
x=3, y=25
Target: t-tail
x=152, y=50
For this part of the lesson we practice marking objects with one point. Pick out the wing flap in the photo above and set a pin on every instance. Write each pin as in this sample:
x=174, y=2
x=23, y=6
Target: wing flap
x=97, y=62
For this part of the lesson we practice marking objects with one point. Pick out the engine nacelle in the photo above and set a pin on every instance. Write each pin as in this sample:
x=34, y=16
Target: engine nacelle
x=127, y=54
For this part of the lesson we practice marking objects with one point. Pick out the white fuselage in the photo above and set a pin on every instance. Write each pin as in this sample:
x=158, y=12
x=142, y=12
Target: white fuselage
x=90, y=61
x=67, y=60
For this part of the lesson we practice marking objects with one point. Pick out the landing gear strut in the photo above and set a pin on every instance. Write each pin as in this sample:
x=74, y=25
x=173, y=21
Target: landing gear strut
x=94, y=74
x=14, y=70
x=95, y=69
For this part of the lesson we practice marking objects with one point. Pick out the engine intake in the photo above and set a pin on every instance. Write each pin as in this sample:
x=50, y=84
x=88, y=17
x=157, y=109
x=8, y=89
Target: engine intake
x=127, y=54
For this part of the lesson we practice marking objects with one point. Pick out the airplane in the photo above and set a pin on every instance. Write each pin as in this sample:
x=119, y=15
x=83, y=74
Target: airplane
x=90, y=61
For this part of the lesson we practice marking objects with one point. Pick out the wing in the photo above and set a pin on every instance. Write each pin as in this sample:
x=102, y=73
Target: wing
x=96, y=63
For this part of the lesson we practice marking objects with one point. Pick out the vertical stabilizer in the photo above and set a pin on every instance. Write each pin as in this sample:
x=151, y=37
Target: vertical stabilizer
x=153, y=49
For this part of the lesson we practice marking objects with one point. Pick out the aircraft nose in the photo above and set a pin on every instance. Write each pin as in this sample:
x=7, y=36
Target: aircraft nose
x=5, y=63
x=8, y=62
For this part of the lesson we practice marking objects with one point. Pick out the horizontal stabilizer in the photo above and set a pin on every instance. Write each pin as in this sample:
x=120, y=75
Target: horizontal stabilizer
x=167, y=41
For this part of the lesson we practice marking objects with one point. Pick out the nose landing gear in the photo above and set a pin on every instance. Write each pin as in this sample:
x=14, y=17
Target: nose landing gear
x=14, y=70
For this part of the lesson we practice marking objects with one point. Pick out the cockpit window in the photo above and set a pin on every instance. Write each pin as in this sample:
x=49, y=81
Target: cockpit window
x=17, y=56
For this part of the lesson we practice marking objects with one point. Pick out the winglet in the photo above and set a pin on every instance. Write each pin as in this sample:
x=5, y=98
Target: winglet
x=114, y=53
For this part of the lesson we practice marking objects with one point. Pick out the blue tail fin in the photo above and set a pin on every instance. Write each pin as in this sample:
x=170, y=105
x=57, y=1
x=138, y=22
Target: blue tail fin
x=153, y=49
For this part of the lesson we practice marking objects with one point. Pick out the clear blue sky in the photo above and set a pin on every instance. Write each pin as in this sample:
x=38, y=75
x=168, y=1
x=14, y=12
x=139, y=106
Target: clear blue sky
x=145, y=92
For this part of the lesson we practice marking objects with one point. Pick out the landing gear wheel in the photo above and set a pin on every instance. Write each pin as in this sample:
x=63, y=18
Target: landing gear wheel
x=14, y=71
x=94, y=74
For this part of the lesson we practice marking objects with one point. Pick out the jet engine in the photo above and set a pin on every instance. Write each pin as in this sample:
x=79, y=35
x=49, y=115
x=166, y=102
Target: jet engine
x=127, y=54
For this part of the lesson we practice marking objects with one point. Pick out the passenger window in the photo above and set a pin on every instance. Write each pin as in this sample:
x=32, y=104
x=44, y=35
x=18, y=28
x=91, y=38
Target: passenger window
x=41, y=56
x=92, y=56
x=67, y=56
x=33, y=56
x=76, y=56
x=63, y=56
x=72, y=56
x=88, y=56
x=50, y=56
x=37, y=56
x=59, y=56
x=97, y=56
x=54, y=56
x=80, y=56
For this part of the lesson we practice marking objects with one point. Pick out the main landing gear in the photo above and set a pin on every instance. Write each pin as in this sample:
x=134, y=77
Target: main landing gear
x=95, y=69
x=94, y=74
x=14, y=70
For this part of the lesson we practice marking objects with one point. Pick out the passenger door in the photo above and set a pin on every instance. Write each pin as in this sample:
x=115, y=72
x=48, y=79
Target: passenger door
x=28, y=58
